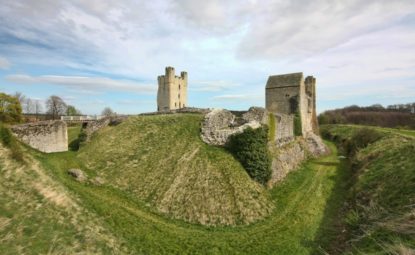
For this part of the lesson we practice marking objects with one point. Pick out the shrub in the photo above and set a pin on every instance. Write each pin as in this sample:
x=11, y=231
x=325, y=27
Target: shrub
x=8, y=140
x=250, y=148
x=82, y=137
x=76, y=144
x=10, y=109
x=325, y=134
x=360, y=139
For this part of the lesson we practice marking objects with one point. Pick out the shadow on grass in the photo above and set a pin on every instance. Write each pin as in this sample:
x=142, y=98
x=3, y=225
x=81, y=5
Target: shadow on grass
x=74, y=145
x=326, y=163
x=332, y=234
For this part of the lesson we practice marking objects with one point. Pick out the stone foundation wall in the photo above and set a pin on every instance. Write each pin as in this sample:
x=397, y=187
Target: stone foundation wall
x=46, y=136
x=288, y=157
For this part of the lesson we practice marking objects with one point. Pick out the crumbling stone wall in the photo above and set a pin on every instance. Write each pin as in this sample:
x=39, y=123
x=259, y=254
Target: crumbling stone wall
x=219, y=124
x=89, y=128
x=46, y=136
x=287, y=151
x=288, y=157
x=284, y=128
x=255, y=114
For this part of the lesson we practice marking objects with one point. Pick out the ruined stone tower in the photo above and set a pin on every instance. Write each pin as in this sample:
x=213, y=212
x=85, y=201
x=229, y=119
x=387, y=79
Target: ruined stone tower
x=290, y=96
x=172, y=90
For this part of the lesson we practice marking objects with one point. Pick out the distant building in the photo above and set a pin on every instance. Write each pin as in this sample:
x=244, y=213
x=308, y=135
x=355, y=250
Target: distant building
x=172, y=91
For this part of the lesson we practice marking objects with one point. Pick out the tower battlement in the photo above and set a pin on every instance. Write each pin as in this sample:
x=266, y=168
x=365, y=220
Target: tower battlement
x=172, y=90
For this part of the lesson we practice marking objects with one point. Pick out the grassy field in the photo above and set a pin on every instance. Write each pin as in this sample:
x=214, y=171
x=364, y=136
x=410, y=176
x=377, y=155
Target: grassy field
x=152, y=182
x=381, y=215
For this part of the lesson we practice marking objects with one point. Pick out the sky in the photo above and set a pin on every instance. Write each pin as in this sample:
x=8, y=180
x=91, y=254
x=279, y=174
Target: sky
x=97, y=53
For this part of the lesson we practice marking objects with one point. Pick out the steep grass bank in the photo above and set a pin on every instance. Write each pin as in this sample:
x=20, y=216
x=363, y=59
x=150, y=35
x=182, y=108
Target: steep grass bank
x=162, y=161
x=381, y=214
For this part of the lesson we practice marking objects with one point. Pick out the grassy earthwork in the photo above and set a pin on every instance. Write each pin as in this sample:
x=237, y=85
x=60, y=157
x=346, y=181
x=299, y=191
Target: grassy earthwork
x=152, y=181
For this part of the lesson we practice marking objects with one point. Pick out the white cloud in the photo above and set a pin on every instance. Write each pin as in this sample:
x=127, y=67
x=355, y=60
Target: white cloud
x=211, y=86
x=240, y=97
x=298, y=29
x=226, y=46
x=4, y=63
x=80, y=82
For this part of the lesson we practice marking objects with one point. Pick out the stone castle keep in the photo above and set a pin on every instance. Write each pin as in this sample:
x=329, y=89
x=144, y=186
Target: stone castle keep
x=172, y=91
x=290, y=96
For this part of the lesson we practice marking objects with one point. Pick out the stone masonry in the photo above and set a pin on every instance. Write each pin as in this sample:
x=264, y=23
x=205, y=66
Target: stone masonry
x=46, y=136
x=172, y=91
x=220, y=124
x=288, y=95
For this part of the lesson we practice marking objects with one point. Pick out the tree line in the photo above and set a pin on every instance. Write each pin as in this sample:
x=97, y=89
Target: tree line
x=14, y=108
x=394, y=116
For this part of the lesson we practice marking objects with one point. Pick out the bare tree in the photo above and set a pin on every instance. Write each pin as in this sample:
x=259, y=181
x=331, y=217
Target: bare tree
x=29, y=106
x=55, y=106
x=20, y=97
x=38, y=108
x=108, y=112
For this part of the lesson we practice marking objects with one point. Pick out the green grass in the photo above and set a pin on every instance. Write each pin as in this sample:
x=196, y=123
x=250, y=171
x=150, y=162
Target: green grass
x=303, y=219
x=73, y=137
x=381, y=218
x=292, y=228
x=158, y=179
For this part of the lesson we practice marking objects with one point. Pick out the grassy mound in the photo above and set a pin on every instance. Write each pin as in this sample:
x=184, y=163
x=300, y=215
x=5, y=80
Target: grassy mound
x=381, y=215
x=162, y=161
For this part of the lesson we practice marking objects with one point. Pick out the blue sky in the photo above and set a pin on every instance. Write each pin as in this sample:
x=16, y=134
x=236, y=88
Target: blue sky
x=95, y=53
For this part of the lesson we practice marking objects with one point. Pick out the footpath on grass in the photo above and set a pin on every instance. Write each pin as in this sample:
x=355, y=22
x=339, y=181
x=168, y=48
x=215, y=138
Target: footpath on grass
x=304, y=218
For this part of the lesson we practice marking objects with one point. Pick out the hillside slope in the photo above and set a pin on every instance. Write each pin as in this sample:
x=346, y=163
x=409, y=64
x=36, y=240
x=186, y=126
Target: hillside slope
x=38, y=215
x=162, y=161
x=381, y=215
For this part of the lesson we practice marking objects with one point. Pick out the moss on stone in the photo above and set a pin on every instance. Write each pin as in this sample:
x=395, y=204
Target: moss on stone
x=297, y=125
x=271, y=127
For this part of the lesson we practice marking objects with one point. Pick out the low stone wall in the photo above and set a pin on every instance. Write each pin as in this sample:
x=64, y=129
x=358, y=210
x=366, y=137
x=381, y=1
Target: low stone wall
x=91, y=127
x=46, y=136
